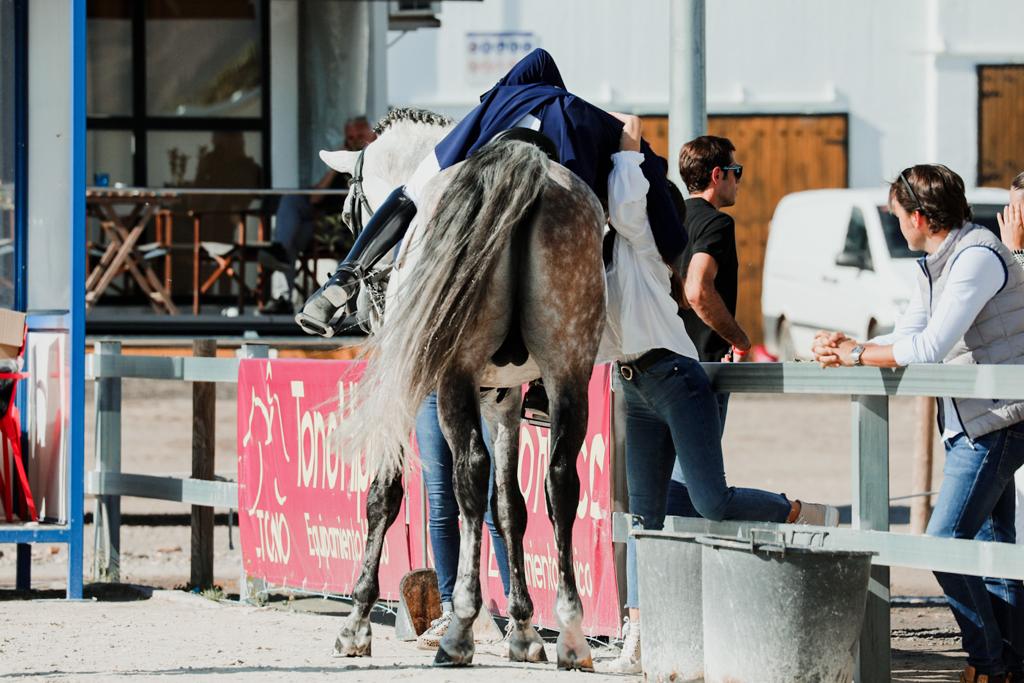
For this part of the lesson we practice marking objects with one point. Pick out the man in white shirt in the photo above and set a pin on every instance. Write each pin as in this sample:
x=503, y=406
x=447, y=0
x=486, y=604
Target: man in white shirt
x=968, y=308
x=671, y=410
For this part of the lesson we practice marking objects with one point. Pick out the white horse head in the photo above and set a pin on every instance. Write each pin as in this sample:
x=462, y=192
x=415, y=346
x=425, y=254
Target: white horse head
x=404, y=138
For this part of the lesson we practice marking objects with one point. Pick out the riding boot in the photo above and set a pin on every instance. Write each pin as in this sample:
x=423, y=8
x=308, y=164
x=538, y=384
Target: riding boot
x=327, y=307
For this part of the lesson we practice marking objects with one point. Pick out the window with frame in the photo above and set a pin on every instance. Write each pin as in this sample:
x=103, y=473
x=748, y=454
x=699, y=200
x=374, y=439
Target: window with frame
x=177, y=93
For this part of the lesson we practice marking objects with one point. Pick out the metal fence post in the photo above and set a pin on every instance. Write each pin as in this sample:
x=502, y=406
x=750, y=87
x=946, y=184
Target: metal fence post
x=107, y=538
x=871, y=513
x=251, y=589
x=204, y=420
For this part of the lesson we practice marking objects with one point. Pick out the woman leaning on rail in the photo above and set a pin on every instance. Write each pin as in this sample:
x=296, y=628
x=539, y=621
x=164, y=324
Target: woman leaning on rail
x=967, y=308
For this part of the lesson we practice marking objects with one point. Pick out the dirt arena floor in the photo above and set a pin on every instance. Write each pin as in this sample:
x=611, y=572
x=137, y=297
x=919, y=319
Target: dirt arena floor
x=799, y=445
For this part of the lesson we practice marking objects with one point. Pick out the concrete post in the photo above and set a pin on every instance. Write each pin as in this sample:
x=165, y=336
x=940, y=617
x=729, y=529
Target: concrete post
x=107, y=539
x=871, y=513
x=687, y=114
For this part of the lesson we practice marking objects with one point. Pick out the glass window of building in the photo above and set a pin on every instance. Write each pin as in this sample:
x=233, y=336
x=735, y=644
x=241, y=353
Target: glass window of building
x=170, y=81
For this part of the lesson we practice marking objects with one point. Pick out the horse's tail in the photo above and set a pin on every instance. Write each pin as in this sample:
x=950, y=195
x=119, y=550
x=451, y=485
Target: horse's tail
x=490, y=195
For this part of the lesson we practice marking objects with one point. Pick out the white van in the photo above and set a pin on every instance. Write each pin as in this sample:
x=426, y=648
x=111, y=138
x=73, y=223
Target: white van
x=836, y=260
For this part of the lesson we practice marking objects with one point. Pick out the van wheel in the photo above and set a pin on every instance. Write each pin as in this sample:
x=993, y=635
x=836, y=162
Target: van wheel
x=787, y=349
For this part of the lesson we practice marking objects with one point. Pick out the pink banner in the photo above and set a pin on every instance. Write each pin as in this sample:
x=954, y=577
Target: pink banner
x=301, y=507
x=302, y=512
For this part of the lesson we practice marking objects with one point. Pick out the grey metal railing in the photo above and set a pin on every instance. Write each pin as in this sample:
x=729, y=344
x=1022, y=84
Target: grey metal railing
x=870, y=389
x=107, y=481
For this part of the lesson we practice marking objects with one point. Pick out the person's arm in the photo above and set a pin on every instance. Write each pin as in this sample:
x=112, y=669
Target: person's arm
x=976, y=276
x=627, y=188
x=707, y=303
x=324, y=183
x=1011, y=229
x=537, y=67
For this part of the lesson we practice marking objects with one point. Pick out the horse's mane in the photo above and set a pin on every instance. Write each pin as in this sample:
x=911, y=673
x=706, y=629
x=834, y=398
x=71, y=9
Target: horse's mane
x=411, y=115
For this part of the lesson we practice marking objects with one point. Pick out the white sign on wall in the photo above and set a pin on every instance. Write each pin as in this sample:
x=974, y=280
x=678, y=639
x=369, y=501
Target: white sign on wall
x=490, y=54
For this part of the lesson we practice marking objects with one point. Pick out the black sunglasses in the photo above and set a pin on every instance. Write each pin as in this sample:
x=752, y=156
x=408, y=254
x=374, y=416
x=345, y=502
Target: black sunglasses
x=737, y=169
x=913, y=195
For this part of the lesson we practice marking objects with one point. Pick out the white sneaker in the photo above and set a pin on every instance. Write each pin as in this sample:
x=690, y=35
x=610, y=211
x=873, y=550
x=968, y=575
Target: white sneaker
x=817, y=514
x=431, y=638
x=628, y=661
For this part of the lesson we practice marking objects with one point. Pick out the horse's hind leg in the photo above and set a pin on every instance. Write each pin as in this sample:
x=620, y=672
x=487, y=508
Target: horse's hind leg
x=458, y=407
x=568, y=430
x=509, y=510
x=382, y=504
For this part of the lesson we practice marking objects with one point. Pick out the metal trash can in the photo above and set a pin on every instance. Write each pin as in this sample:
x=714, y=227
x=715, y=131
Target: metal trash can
x=669, y=586
x=775, y=612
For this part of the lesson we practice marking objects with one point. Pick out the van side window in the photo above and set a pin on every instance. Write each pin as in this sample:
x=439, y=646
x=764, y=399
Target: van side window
x=856, y=252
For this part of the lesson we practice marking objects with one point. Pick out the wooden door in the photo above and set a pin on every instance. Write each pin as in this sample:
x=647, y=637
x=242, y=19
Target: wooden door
x=1000, y=124
x=780, y=154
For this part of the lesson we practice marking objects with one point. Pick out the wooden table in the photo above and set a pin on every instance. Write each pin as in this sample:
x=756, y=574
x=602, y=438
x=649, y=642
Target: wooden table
x=123, y=216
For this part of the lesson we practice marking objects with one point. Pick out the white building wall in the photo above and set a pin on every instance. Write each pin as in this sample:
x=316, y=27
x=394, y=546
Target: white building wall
x=906, y=72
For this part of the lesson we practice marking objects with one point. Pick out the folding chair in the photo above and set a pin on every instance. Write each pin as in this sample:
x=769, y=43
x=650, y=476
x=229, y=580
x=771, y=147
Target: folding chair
x=229, y=259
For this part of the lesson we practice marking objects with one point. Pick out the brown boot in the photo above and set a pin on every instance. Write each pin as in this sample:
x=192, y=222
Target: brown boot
x=970, y=675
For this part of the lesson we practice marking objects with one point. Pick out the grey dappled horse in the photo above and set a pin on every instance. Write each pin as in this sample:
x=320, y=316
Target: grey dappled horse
x=502, y=264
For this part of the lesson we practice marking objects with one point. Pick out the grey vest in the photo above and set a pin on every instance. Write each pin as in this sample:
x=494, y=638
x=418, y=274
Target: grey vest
x=996, y=337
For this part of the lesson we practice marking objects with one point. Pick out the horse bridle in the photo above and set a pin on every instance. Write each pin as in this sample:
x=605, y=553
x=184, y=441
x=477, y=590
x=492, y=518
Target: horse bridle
x=359, y=201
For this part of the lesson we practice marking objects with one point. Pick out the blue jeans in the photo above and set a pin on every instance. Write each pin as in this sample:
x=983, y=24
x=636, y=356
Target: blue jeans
x=679, y=503
x=976, y=501
x=672, y=416
x=443, y=526
x=293, y=229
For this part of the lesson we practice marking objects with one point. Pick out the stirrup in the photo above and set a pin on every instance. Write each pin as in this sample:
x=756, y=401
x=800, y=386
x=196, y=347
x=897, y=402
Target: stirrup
x=347, y=278
x=535, y=409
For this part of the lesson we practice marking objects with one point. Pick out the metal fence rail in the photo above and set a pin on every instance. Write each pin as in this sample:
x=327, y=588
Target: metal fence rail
x=869, y=389
x=108, y=483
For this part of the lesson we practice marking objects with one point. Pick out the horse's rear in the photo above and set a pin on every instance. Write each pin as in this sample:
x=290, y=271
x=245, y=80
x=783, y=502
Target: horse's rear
x=506, y=285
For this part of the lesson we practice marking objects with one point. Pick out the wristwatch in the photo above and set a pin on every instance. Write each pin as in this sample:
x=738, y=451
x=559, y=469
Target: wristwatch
x=855, y=353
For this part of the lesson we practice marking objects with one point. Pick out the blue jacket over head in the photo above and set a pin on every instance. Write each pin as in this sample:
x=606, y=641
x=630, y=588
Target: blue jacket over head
x=586, y=138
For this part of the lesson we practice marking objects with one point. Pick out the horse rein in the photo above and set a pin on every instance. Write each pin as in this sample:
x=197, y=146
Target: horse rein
x=359, y=201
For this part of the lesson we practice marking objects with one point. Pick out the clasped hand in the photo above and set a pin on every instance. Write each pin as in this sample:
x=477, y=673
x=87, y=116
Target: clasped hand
x=832, y=349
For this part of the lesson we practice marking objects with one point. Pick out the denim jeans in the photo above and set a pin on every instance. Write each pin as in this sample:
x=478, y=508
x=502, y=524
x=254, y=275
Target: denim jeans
x=294, y=229
x=679, y=503
x=443, y=526
x=672, y=416
x=976, y=501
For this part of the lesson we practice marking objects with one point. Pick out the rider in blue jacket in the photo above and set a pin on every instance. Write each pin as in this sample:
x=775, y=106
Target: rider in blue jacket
x=531, y=95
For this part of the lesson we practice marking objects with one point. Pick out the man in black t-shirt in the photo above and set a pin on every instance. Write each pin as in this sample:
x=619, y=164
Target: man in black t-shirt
x=710, y=269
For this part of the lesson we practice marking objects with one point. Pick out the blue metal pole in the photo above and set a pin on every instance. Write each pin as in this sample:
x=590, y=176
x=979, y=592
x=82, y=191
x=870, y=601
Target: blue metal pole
x=77, y=346
x=24, y=552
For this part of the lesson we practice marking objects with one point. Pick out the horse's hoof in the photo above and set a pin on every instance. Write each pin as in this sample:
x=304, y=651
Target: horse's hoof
x=531, y=652
x=444, y=658
x=347, y=647
x=353, y=643
x=526, y=646
x=573, y=656
x=573, y=664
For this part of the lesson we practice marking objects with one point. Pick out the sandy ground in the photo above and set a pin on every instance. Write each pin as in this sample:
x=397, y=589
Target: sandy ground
x=800, y=445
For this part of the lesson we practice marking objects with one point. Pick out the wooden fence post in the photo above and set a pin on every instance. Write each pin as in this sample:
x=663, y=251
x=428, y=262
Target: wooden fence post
x=924, y=436
x=203, y=451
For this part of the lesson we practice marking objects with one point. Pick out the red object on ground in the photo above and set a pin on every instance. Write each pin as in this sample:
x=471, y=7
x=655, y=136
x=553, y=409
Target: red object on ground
x=10, y=434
